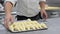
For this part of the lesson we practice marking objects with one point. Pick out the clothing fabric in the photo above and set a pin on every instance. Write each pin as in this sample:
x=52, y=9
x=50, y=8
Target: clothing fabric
x=28, y=8
x=37, y=17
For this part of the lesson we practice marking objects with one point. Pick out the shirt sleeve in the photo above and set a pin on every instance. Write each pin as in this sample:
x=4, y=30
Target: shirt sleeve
x=12, y=1
x=42, y=0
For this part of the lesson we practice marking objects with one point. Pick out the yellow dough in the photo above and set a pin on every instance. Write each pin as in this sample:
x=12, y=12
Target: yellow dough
x=26, y=25
x=11, y=28
x=43, y=25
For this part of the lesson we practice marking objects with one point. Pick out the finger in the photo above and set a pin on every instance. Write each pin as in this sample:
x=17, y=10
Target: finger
x=41, y=14
x=45, y=16
x=5, y=21
x=12, y=20
x=5, y=24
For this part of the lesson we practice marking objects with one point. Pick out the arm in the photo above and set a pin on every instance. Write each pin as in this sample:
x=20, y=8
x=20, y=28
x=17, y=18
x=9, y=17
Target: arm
x=9, y=5
x=42, y=5
x=8, y=16
x=8, y=8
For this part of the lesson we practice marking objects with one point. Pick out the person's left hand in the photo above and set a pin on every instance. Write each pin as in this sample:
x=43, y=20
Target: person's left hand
x=43, y=14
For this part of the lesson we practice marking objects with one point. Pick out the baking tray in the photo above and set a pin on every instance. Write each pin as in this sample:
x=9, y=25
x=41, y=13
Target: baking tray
x=28, y=30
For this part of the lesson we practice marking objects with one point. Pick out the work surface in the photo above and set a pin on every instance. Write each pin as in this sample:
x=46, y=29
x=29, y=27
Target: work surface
x=53, y=28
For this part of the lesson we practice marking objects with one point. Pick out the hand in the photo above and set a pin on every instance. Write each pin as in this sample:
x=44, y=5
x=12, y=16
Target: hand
x=44, y=14
x=8, y=18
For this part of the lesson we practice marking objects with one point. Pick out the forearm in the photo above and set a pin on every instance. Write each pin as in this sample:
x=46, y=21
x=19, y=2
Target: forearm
x=8, y=8
x=42, y=5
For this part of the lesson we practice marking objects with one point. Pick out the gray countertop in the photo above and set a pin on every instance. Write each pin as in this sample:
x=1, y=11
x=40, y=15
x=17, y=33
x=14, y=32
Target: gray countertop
x=53, y=28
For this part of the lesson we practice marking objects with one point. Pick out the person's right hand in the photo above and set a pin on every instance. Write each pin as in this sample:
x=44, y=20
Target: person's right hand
x=8, y=18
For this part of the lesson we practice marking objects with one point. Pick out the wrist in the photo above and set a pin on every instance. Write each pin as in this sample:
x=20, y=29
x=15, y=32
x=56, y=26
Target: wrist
x=7, y=14
x=42, y=9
